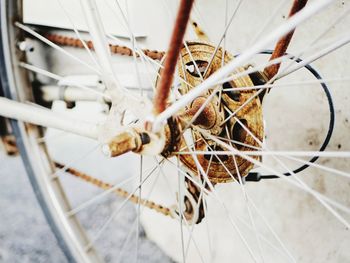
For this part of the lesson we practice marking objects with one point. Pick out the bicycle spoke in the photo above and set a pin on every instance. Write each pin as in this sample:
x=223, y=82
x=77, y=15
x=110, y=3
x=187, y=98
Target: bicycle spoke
x=268, y=21
x=211, y=194
x=53, y=45
x=223, y=36
x=328, y=154
x=99, y=196
x=244, y=196
x=256, y=48
x=209, y=150
x=69, y=18
x=180, y=181
x=345, y=40
x=58, y=78
x=137, y=219
x=300, y=184
x=233, y=224
x=116, y=212
x=75, y=161
x=301, y=84
x=138, y=227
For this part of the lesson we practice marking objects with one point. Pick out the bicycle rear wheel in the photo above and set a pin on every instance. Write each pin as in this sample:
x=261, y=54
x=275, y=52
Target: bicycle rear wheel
x=297, y=119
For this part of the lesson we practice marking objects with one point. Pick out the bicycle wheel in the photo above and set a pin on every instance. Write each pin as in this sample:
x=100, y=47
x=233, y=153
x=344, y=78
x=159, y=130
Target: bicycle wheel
x=196, y=197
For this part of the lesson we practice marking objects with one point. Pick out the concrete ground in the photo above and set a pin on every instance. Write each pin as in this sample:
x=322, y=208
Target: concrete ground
x=24, y=233
x=25, y=236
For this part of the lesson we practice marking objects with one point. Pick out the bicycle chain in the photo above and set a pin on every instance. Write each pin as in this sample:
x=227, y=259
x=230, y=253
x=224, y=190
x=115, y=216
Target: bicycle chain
x=119, y=191
x=115, y=49
x=121, y=50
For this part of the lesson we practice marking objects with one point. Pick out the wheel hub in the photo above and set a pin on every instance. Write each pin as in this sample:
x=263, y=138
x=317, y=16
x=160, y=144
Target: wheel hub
x=216, y=117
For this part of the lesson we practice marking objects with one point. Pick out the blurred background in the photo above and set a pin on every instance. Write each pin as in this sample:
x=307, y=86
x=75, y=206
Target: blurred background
x=296, y=119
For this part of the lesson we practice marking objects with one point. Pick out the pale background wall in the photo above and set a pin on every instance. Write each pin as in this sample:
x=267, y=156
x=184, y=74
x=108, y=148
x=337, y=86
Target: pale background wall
x=295, y=119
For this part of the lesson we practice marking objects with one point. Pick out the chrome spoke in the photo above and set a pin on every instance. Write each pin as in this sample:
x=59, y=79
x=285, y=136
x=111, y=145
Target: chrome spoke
x=53, y=45
x=117, y=212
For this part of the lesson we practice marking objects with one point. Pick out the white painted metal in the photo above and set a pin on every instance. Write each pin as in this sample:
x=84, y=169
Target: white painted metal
x=297, y=19
x=121, y=99
x=47, y=118
x=72, y=94
x=296, y=217
x=338, y=44
x=101, y=47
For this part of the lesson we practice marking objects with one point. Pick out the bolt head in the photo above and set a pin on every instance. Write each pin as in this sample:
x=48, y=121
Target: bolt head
x=106, y=150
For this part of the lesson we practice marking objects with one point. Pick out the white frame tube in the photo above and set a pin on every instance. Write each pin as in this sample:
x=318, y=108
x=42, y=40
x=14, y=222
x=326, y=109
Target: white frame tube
x=47, y=118
x=289, y=25
x=70, y=94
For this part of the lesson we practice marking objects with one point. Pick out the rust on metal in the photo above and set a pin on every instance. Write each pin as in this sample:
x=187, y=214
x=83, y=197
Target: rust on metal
x=194, y=207
x=219, y=169
x=9, y=143
x=172, y=137
x=124, y=142
x=115, y=49
x=206, y=117
x=167, y=74
x=199, y=31
x=283, y=43
x=118, y=191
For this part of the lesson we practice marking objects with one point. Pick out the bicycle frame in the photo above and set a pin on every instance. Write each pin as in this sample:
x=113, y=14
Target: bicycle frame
x=48, y=118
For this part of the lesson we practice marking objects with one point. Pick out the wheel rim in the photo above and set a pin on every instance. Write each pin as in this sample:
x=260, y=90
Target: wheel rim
x=31, y=140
